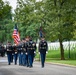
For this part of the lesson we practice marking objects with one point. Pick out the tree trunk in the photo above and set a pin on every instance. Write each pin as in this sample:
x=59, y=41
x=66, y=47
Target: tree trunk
x=61, y=48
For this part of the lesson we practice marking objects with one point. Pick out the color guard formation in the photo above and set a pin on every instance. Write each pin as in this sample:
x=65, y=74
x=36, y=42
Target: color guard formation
x=25, y=52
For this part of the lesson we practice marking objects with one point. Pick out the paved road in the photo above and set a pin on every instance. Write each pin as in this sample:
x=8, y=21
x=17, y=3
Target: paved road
x=49, y=69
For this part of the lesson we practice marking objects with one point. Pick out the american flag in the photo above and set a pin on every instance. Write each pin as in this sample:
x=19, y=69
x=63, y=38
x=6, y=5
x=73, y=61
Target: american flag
x=16, y=35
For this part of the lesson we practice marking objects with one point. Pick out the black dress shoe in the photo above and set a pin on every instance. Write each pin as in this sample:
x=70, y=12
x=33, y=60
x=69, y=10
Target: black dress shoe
x=30, y=66
x=9, y=64
x=42, y=66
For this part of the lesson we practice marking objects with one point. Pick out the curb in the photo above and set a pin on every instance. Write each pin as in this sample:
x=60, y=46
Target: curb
x=66, y=65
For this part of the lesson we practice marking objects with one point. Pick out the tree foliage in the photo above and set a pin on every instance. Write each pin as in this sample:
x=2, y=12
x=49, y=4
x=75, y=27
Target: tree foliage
x=57, y=18
x=5, y=21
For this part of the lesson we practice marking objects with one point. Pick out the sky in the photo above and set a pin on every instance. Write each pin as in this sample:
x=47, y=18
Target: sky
x=13, y=3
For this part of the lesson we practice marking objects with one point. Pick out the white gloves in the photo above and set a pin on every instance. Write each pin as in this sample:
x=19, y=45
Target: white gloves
x=26, y=53
x=46, y=52
x=35, y=52
x=39, y=52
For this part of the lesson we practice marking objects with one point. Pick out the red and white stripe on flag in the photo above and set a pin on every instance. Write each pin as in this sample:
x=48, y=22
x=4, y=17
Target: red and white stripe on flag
x=16, y=36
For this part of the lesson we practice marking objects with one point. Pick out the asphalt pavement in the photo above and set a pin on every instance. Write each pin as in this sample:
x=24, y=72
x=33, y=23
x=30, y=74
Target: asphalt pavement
x=49, y=69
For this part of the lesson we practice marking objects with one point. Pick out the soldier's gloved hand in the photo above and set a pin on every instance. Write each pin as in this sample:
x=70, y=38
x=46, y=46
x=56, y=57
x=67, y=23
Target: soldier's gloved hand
x=34, y=52
x=26, y=53
x=46, y=52
x=39, y=52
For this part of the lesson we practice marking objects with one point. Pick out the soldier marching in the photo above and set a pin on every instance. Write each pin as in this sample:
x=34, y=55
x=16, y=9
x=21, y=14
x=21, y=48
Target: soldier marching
x=31, y=50
x=9, y=50
x=43, y=48
x=25, y=52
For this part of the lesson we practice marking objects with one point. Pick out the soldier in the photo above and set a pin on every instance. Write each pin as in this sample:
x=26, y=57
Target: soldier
x=15, y=54
x=19, y=48
x=2, y=50
x=12, y=55
x=9, y=52
x=43, y=47
x=24, y=52
x=31, y=50
x=26, y=46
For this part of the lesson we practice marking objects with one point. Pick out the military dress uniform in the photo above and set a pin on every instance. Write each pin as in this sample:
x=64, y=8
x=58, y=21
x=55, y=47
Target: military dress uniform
x=12, y=55
x=26, y=53
x=9, y=53
x=43, y=47
x=2, y=50
x=31, y=50
x=20, y=52
x=15, y=51
x=23, y=54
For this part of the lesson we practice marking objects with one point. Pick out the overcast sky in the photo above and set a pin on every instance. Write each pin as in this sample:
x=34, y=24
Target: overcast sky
x=13, y=3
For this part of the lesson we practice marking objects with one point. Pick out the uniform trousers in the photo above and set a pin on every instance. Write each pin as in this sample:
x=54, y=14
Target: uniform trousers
x=24, y=59
x=30, y=58
x=15, y=58
x=9, y=56
x=42, y=58
x=20, y=59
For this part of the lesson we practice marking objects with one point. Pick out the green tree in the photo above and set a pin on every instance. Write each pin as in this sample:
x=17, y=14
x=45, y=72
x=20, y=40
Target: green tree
x=5, y=19
x=61, y=24
x=57, y=18
x=27, y=19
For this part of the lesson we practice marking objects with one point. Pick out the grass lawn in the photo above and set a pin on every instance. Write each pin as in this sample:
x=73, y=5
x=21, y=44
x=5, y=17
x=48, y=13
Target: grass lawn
x=69, y=62
x=54, y=56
